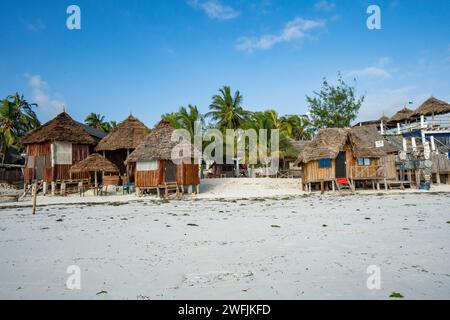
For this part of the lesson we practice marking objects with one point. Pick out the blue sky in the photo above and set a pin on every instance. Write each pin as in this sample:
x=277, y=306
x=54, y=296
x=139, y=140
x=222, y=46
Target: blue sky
x=149, y=57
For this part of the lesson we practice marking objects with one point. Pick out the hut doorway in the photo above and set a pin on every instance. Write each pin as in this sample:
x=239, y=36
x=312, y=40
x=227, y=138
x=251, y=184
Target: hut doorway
x=40, y=167
x=341, y=167
x=170, y=171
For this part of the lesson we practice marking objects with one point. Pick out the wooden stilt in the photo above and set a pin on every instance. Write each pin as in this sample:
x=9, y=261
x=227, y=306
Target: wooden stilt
x=34, y=195
x=63, y=188
x=53, y=187
x=198, y=189
x=44, y=188
x=95, y=184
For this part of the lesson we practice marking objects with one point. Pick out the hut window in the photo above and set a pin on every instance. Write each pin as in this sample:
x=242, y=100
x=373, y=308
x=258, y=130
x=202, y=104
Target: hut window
x=30, y=162
x=147, y=165
x=324, y=163
x=363, y=161
x=63, y=152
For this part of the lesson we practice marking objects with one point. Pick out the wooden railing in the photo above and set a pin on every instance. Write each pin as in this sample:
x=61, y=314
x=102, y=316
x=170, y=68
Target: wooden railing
x=367, y=172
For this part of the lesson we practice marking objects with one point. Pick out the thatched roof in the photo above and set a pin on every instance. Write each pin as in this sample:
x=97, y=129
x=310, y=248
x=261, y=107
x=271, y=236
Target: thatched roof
x=329, y=142
x=127, y=135
x=158, y=145
x=384, y=119
x=401, y=115
x=61, y=128
x=365, y=138
x=430, y=107
x=94, y=162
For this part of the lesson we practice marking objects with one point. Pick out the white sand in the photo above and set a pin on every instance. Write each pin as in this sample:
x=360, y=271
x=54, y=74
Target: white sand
x=144, y=248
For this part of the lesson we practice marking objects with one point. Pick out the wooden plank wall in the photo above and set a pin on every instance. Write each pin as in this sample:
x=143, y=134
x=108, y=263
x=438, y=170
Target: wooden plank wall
x=390, y=166
x=150, y=179
x=312, y=172
x=187, y=174
x=60, y=171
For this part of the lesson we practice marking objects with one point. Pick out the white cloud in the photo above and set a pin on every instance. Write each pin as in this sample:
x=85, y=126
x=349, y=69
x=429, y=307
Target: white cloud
x=293, y=30
x=388, y=102
x=379, y=70
x=214, y=9
x=325, y=5
x=369, y=72
x=47, y=102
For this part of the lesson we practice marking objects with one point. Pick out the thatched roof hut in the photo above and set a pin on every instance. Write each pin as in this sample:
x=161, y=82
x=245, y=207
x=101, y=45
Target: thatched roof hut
x=158, y=145
x=94, y=163
x=402, y=115
x=430, y=107
x=61, y=128
x=127, y=135
x=329, y=142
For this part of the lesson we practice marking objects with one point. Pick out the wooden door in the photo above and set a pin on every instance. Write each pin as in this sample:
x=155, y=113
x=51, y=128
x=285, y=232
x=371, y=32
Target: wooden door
x=341, y=166
x=170, y=171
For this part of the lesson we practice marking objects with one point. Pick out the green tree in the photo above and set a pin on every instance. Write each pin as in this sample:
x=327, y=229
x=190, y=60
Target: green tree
x=172, y=118
x=188, y=117
x=16, y=118
x=97, y=121
x=226, y=110
x=299, y=127
x=334, y=106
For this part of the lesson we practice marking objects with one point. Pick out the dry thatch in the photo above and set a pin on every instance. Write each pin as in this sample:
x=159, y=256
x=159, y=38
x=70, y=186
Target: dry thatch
x=401, y=115
x=61, y=128
x=127, y=135
x=363, y=140
x=329, y=142
x=92, y=163
x=158, y=145
x=430, y=107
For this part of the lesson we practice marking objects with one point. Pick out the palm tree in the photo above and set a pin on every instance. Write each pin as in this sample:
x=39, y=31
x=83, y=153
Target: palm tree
x=172, y=118
x=187, y=118
x=226, y=110
x=16, y=118
x=300, y=127
x=97, y=121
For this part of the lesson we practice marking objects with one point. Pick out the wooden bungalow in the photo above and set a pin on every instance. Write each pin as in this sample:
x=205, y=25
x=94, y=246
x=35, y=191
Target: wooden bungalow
x=155, y=167
x=343, y=157
x=53, y=148
x=121, y=142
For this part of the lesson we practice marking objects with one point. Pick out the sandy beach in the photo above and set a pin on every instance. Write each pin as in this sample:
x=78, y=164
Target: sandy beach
x=241, y=245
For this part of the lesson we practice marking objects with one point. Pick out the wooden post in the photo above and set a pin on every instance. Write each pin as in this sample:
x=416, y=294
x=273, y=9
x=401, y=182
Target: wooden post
x=158, y=193
x=190, y=189
x=322, y=187
x=332, y=186
x=44, y=188
x=80, y=188
x=438, y=177
x=95, y=184
x=53, y=186
x=198, y=189
x=63, y=188
x=34, y=195
x=385, y=184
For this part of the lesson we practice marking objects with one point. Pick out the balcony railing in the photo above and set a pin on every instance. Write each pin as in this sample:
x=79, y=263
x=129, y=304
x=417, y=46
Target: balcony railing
x=367, y=172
